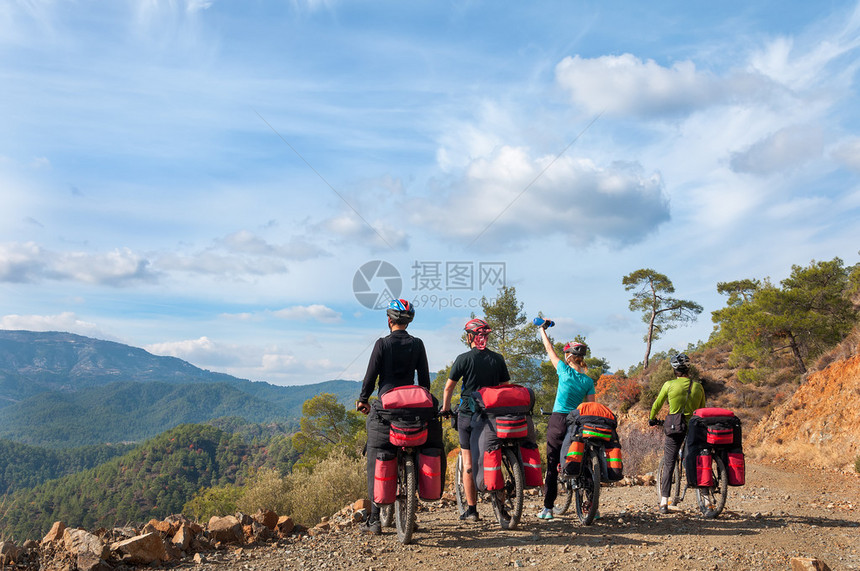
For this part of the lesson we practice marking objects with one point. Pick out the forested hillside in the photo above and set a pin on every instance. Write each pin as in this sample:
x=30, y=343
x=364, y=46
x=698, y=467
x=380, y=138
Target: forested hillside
x=23, y=466
x=154, y=480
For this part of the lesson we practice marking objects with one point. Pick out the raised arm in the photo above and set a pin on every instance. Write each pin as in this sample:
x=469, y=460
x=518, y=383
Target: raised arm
x=550, y=350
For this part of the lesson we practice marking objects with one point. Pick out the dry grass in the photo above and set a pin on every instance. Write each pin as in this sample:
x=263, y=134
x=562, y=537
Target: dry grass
x=333, y=483
x=311, y=494
x=801, y=452
x=641, y=446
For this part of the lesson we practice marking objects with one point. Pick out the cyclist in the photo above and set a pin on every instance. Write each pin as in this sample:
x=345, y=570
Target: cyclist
x=478, y=367
x=394, y=361
x=574, y=388
x=684, y=396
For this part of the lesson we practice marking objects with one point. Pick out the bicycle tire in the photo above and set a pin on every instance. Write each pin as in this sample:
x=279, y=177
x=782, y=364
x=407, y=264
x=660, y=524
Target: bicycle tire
x=459, y=490
x=508, y=502
x=565, y=495
x=407, y=500
x=587, y=491
x=712, y=500
x=386, y=515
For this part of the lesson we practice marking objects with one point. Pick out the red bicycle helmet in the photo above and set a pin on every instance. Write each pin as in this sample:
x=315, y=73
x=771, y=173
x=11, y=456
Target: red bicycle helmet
x=477, y=326
x=576, y=348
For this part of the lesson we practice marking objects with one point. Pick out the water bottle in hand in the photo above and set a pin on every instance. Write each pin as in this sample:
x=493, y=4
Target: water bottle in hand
x=545, y=323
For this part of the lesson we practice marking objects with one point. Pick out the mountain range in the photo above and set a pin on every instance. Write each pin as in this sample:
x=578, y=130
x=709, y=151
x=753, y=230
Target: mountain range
x=63, y=390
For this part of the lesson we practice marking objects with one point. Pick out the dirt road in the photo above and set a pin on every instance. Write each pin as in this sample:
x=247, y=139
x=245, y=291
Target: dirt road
x=782, y=512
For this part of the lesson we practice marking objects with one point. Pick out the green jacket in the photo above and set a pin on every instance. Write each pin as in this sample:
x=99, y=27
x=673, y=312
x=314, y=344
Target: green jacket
x=676, y=391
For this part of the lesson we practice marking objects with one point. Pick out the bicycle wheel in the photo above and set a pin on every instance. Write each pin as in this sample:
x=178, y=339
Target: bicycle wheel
x=712, y=500
x=587, y=491
x=407, y=500
x=508, y=502
x=565, y=495
x=459, y=490
x=386, y=515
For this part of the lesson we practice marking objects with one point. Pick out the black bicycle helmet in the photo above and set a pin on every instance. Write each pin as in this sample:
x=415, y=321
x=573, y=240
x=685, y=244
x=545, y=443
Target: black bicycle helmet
x=400, y=311
x=680, y=362
x=576, y=348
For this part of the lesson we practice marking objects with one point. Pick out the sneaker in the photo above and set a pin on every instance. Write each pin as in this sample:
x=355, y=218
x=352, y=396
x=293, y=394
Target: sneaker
x=470, y=515
x=545, y=513
x=371, y=526
x=664, y=509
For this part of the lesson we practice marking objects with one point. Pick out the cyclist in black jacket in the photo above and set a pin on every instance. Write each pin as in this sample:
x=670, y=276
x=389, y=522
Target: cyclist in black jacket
x=395, y=360
x=478, y=367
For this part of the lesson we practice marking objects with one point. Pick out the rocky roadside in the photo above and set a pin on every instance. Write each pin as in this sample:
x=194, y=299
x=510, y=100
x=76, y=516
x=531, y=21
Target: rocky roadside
x=785, y=516
x=810, y=517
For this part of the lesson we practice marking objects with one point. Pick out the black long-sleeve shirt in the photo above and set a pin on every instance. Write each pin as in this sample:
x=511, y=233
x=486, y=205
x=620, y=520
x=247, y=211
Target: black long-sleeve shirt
x=394, y=361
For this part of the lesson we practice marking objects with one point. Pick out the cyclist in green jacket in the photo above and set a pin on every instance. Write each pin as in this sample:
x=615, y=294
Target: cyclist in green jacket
x=682, y=394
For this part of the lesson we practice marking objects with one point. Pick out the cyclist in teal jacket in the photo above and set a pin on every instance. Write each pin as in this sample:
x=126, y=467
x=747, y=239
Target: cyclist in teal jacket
x=574, y=388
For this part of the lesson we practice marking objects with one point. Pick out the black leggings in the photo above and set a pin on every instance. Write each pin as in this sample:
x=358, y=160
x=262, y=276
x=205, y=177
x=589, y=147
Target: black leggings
x=671, y=445
x=555, y=432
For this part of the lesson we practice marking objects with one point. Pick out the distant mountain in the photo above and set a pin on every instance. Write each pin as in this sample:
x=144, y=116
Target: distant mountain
x=65, y=390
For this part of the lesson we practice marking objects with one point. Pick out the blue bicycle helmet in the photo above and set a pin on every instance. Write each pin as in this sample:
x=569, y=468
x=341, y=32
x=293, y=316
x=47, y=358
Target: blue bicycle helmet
x=400, y=311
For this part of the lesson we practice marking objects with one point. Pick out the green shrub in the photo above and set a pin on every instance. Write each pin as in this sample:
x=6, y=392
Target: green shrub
x=857, y=464
x=752, y=376
x=218, y=500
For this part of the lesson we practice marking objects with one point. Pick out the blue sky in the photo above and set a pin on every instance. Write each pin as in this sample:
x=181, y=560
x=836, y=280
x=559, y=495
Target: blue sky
x=204, y=178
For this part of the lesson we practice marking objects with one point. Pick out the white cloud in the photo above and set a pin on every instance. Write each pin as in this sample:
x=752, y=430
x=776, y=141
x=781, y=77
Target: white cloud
x=116, y=268
x=29, y=262
x=203, y=352
x=67, y=322
x=512, y=195
x=314, y=312
x=627, y=85
x=245, y=242
x=241, y=253
x=788, y=148
x=848, y=153
x=373, y=233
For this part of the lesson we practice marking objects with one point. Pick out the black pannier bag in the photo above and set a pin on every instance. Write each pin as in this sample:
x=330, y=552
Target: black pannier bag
x=504, y=413
x=720, y=430
x=593, y=422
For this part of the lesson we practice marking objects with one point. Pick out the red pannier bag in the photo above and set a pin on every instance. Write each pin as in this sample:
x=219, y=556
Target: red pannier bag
x=735, y=468
x=531, y=467
x=704, y=474
x=407, y=433
x=407, y=396
x=430, y=474
x=385, y=478
x=410, y=406
x=720, y=435
x=493, y=479
x=512, y=426
x=716, y=427
x=505, y=399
